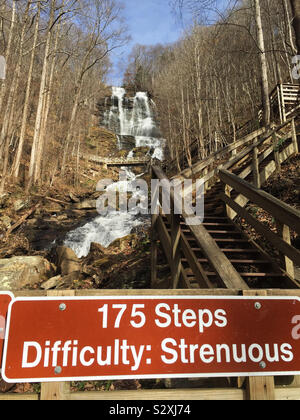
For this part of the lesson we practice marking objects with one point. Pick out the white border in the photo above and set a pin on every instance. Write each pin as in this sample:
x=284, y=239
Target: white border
x=62, y=299
x=7, y=293
x=4, y=293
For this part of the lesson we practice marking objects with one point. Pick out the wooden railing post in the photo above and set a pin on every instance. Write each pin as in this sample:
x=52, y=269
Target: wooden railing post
x=56, y=390
x=230, y=213
x=175, y=249
x=204, y=173
x=256, y=174
x=294, y=136
x=283, y=102
x=284, y=232
x=154, y=238
x=276, y=152
x=259, y=387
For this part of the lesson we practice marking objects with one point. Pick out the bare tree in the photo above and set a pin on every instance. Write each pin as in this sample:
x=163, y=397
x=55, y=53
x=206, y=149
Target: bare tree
x=295, y=5
x=8, y=50
x=17, y=161
x=103, y=38
x=263, y=63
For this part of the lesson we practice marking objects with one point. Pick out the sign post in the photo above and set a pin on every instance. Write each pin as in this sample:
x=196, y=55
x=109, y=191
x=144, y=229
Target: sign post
x=89, y=338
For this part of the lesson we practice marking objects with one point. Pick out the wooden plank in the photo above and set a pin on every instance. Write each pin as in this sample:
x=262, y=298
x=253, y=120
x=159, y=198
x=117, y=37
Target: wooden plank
x=55, y=391
x=256, y=168
x=284, y=232
x=229, y=212
x=154, y=250
x=287, y=394
x=175, y=250
x=139, y=292
x=160, y=292
x=19, y=397
x=163, y=395
x=154, y=240
x=261, y=388
x=286, y=153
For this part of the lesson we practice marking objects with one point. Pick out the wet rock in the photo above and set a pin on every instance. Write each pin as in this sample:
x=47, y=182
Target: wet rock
x=122, y=243
x=51, y=283
x=59, y=282
x=19, y=272
x=67, y=260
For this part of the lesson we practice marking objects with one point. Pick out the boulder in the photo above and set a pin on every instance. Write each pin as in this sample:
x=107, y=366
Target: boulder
x=51, y=283
x=122, y=243
x=97, y=248
x=19, y=272
x=59, y=282
x=67, y=260
x=6, y=221
x=21, y=204
x=86, y=205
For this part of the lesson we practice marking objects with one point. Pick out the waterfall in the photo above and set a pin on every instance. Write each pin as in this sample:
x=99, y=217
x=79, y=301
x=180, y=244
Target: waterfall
x=134, y=117
x=126, y=117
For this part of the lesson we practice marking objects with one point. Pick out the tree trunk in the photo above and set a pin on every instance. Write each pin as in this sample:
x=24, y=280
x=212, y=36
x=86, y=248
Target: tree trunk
x=288, y=25
x=6, y=130
x=47, y=100
x=295, y=4
x=17, y=162
x=71, y=127
x=40, y=107
x=8, y=51
x=263, y=63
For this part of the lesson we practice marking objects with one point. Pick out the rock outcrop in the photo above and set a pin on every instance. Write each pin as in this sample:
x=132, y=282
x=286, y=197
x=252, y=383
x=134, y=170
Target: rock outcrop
x=17, y=273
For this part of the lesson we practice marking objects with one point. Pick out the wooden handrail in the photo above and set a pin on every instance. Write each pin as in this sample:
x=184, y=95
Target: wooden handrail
x=277, y=208
x=197, y=167
x=286, y=217
x=205, y=163
x=250, y=149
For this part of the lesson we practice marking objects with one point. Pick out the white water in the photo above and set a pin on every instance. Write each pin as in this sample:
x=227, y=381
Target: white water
x=139, y=123
x=136, y=121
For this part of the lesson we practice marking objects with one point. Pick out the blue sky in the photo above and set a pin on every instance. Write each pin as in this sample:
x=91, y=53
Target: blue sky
x=149, y=22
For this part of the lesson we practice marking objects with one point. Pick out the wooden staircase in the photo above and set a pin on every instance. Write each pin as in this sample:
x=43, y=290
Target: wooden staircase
x=192, y=263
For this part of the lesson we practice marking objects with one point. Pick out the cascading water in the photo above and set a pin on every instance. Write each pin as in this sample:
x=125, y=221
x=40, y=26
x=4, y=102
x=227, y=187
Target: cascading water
x=126, y=118
x=134, y=117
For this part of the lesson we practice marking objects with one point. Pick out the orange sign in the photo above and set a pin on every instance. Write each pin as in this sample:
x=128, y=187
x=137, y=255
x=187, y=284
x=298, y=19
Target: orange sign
x=5, y=299
x=57, y=339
